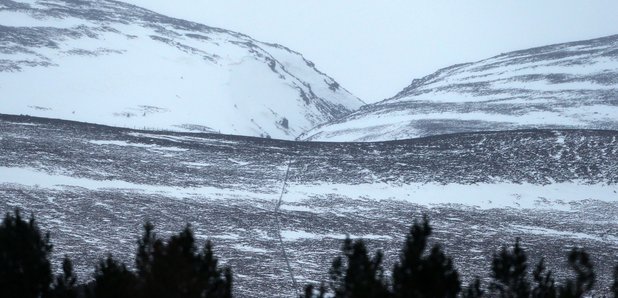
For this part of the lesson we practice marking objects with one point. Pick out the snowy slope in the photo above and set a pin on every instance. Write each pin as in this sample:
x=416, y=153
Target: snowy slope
x=93, y=187
x=113, y=63
x=571, y=85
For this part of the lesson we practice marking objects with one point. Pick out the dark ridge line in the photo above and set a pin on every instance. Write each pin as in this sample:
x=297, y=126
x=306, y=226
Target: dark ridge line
x=58, y=121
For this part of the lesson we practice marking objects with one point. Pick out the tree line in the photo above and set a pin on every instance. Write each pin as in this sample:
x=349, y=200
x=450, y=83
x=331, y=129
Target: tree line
x=175, y=267
x=427, y=272
x=171, y=268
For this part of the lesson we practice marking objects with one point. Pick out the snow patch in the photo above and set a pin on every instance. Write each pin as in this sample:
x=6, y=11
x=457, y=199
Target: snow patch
x=35, y=178
x=556, y=196
x=295, y=235
x=138, y=145
x=564, y=234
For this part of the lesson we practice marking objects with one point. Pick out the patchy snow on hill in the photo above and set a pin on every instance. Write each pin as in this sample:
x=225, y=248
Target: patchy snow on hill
x=572, y=85
x=257, y=199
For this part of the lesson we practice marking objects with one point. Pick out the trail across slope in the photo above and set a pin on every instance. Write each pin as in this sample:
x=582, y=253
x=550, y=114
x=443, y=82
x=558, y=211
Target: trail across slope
x=278, y=226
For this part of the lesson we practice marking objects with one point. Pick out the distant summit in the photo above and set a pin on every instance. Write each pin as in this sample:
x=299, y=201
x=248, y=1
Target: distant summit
x=570, y=85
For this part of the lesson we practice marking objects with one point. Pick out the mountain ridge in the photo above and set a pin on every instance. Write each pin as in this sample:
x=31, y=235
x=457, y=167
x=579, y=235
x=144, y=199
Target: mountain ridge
x=569, y=85
x=146, y=70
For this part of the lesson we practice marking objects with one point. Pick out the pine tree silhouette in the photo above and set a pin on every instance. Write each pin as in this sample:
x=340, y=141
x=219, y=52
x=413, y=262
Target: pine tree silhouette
x=474, y=290
x=545, y=284
x=510, y=276
x=145, y=251
x=416, y=275
x=176, y=269
x=359, y=276
x=65, y=284
x=214, y=282
x=25, y=270
x=113, y=279
x=584, y=275
x=509, y=272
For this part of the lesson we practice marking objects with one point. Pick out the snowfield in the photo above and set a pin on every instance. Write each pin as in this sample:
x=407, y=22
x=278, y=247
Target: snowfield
x=111, y=63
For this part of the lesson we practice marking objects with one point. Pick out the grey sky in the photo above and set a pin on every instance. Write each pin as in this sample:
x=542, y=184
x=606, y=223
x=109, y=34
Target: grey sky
x=375, y=48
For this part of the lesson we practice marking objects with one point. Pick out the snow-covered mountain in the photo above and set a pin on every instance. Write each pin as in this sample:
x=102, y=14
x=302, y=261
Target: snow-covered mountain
x=113, y=63
x=570, y=85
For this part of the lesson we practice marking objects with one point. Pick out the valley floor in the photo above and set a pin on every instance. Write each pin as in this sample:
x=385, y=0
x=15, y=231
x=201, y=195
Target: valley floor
x=93, y=187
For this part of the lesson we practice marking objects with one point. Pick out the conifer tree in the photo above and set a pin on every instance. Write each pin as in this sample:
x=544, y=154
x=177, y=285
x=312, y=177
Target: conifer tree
x=65, y=284
x=214, y=281
x=545, y=284
x=176, y=269
x=580, y=262
x=113, y=279
x=25, y=270
x=509, y=272
x=417, y=275
x=145, y=250
x=474, y=290
x=359, y=276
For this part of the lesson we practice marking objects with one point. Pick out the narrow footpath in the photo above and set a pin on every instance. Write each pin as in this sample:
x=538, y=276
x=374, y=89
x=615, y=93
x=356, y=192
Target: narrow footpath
x=278, y=227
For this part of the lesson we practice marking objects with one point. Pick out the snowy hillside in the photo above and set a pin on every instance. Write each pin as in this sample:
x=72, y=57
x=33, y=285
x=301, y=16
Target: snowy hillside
x=571, y=85
x=93, y=187
x=113, y=63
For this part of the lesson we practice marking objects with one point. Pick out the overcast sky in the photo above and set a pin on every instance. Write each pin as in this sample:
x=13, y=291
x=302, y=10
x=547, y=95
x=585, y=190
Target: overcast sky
x=375, y=48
